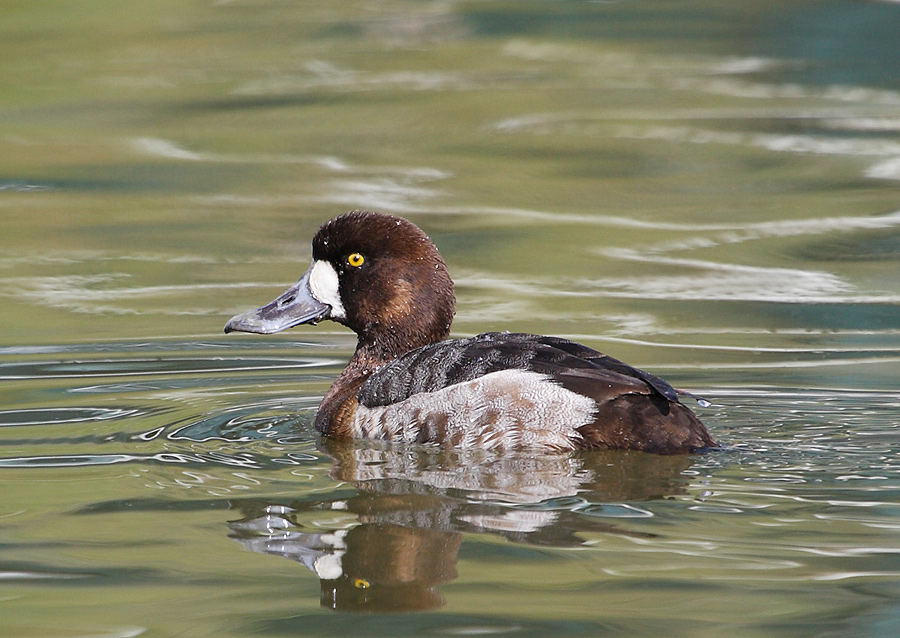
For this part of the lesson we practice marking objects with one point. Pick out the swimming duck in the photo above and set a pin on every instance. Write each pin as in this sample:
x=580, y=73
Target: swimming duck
x=382, y=277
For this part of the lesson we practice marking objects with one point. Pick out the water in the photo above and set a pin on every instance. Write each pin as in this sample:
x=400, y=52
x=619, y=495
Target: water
x=706, y=190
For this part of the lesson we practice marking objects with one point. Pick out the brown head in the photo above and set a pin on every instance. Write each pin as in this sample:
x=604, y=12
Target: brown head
x=377, y=274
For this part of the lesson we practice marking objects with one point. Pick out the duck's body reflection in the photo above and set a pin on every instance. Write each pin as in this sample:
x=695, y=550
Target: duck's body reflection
x=397, y=539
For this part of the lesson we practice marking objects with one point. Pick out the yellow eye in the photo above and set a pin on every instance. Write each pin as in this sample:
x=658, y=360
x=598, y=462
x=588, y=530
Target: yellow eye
x=356, y=260
x=361, y=583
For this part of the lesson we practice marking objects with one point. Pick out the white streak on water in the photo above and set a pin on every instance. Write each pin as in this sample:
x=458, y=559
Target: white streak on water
x=739, y=233
x=158, y=147
x=720, y=281
x=800, y=144
x=732, y=66
x=324, y=74
x=786, y=364
x=889, y=169
x=850, y=123
x=71, y=257
x=770, y=141
x=742, y=88
x=714, y=282
x=93, y=294
x=382, y=194
x=723, y=348
x=10, y=575
x=165, y=148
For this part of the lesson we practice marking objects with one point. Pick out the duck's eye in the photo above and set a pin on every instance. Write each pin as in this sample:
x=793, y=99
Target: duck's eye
x=356, y=260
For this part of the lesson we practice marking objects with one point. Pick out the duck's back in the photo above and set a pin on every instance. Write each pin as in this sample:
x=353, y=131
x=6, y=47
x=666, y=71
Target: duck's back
x=507, y=390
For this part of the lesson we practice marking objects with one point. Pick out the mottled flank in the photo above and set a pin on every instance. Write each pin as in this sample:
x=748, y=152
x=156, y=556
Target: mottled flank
x=501, y=410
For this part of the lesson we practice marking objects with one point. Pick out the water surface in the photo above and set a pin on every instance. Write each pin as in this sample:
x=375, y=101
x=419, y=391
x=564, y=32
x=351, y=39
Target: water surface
x=708, y=191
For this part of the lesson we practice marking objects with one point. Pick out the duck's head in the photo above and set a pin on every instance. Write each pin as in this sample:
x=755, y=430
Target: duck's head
x=379, y=275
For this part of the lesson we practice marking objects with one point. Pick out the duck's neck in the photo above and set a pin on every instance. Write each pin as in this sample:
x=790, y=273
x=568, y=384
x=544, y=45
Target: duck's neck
x=379, y=344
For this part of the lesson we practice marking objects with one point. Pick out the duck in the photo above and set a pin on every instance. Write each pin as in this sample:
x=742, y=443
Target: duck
x=409, y=383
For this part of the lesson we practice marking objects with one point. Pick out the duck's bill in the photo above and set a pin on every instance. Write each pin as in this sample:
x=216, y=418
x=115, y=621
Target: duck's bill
x=294, y=307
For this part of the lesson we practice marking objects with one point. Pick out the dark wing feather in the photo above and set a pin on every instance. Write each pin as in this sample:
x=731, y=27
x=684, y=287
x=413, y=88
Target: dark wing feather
x=607, y=362
x=570, y=364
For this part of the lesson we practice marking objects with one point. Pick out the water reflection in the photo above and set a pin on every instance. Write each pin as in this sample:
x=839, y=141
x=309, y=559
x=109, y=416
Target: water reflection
x=389, y=547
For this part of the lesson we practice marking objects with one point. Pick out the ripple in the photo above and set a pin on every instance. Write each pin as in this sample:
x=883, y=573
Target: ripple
x=54, y=416
x=154, y=366
x=798, y=144
x=23, y=187
x=614, y=510
x=264, y=421
x=69, y=460
x=11, y=575
x=100, y=294
x=84, y=460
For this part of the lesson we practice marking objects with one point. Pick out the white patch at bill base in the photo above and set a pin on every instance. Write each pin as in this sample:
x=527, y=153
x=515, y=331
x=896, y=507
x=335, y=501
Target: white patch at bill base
x=325, y=288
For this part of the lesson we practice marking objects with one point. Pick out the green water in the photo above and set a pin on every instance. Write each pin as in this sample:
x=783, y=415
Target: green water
x=708, y=190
